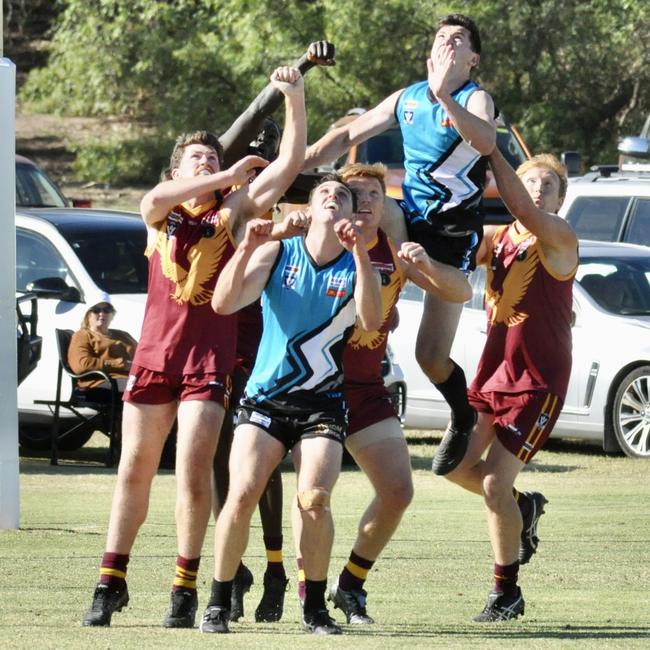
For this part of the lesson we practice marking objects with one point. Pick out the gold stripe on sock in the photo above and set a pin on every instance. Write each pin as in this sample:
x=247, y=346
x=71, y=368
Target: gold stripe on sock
x=357, y=571
x=189, y=584
x=274, y=556
x=107, y=571
x=301, y=575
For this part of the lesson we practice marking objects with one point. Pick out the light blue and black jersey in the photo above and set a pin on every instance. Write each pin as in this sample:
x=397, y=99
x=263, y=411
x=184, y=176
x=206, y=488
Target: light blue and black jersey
x=308, y=312
x=445, y=176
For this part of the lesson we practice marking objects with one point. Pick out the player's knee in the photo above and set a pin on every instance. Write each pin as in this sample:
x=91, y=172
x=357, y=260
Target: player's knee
x=398, y=497
x=434, y=365
x=496, y=491
x=315, y=501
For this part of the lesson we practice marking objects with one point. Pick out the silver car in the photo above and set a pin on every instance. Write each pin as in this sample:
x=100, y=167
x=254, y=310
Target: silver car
x=608, y=399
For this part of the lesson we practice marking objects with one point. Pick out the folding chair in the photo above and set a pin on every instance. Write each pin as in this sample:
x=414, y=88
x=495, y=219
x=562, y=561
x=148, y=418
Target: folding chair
x=105, y=416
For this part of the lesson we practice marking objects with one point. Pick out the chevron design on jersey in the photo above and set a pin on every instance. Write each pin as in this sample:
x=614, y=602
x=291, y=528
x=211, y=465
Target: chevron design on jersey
x=318, y=348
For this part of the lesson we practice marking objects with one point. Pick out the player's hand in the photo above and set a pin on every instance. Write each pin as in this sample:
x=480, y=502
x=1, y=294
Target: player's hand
x=287, y=80
x=296, y=223
x=348, y=234
x=412, y=253
x=440, y=69
x=321, y=53
x=245, y=170
x=258, y=232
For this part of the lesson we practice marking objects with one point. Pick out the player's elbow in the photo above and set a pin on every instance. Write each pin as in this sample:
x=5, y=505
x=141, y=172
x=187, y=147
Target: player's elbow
x=370, y=322
x=221, y=305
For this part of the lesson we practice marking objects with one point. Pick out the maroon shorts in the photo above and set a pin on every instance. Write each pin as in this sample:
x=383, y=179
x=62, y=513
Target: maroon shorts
x=367, y=404
x=522, y=421
x=146, y=386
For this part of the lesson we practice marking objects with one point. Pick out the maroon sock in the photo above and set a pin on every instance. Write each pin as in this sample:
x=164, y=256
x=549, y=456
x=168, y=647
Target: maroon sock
x=113, y=569
x=505, y=578
x=186, y=572
x=354, y=573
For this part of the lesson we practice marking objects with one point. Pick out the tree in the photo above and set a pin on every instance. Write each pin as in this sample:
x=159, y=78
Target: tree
x=571, y=74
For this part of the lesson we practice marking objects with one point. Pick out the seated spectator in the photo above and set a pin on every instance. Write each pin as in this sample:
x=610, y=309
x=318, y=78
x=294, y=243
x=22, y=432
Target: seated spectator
x=96, y=347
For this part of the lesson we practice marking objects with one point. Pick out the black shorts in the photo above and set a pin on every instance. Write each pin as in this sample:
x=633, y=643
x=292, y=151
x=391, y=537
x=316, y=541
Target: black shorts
x=290, y=426
x=452, y=241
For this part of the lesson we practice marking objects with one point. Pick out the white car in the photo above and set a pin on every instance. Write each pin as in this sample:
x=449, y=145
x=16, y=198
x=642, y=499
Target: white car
x=73, y=258
x=608, y=399
x=612, y=203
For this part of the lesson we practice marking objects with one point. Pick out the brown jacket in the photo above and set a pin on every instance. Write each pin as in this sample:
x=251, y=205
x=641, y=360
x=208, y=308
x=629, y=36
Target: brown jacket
x=111, y=353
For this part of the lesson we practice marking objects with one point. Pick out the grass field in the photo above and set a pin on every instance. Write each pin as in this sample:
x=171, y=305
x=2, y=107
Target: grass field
x=588, y=586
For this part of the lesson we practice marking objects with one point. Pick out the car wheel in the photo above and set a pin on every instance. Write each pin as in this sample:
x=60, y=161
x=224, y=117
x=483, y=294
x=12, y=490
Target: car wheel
x=630, y=413
x=38, y=437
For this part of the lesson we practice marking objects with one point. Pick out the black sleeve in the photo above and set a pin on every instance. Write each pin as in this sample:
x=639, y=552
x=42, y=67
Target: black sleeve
x=243, y=130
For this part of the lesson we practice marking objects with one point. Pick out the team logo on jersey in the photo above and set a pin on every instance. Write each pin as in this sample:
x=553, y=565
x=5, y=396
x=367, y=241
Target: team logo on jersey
x=542, y=420
x=289, y=276
x=446, y=123
x=411, y=103
x=408, y=117
x=173, y=222
x=336, y=287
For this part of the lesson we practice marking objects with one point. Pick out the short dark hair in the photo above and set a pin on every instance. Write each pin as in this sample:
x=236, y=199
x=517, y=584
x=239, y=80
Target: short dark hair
x=333, y=177
x=463, y=21
x=198, y=137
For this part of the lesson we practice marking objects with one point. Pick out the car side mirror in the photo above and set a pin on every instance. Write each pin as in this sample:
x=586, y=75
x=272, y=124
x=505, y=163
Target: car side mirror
x=54, y=288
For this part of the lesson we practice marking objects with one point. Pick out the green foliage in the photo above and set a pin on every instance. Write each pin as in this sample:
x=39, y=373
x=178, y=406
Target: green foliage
x=573, y=75
x=119, y=161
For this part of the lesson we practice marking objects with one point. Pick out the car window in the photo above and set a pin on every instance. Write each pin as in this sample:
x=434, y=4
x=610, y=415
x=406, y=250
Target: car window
x=598, y=217
x=35, y=190
x=638, y=229
x=387, y=148
x=113, y=258
x=510, y=147
x=36, y=258
x=618, y=285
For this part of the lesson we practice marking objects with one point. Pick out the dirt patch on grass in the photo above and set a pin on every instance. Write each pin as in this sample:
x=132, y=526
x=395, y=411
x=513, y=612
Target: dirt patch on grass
x=50, y=141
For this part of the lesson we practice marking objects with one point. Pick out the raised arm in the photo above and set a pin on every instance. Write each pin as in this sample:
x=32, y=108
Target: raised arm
x=337, y=141
x=243, y=130
x=443, y=280
x=393, y=222
x=258, y=197
x=158, y=202
x=243, y=278
x=367, y=293
x=552, y=231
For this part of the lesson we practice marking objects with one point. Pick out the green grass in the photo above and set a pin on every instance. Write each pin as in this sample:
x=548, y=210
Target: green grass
x=587, y=586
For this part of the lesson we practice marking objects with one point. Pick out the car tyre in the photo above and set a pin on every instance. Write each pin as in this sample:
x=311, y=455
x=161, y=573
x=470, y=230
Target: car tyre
x=630, y=413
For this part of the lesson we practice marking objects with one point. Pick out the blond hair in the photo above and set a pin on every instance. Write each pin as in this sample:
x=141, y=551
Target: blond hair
x=550, y=162
x=375, y=170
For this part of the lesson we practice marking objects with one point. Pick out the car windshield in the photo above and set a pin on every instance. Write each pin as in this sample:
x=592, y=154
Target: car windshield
x=114, y=257
x=620, y=285
x=35, y=190
x=386, y=148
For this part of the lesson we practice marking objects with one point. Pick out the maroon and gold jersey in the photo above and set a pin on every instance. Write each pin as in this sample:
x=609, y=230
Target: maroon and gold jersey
x=365, y=350
x=181, y=333
x=528, y=305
